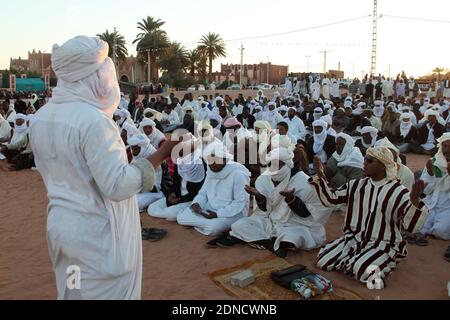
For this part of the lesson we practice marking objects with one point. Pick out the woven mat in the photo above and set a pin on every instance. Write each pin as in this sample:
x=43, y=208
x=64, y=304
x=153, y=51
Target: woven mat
x=264, y=288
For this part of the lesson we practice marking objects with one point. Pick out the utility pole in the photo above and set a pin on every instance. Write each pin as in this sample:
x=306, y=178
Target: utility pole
x=307, y=63
x=373, y=66
x=325, y=52
x=242, y=65
x=268, y=61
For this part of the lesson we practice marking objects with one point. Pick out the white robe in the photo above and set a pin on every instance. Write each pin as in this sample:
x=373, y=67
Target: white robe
x=224, y=194
x=438, y=221
x=315, y=90
x=296, y=127
x=326, y=85
x=5, y=130
x=93, y=218
x=335, y=91
x=279, y=221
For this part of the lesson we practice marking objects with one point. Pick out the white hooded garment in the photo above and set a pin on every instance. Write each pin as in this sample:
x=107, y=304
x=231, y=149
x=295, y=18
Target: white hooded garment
x=93, y=219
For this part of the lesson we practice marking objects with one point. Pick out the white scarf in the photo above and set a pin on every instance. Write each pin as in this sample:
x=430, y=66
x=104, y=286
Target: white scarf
x=378, y=111
x=405, y=127
x=351, y=156
x=319, y=139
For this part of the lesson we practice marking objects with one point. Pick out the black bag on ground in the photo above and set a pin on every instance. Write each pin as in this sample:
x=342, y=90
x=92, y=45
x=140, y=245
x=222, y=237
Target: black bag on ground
x=286, y=276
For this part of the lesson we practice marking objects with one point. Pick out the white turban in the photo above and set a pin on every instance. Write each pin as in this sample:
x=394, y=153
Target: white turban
x=85, y=74
x=146, y=122
x=263, y=125
x=156, y=115
x=190, y=166
x=281, y=154
x=23, y=127
x=319, y=139
x=441, y=162
x=373, y=132
x=143, y=142
x=283, y=109
x=350, y=156
x=388, y=144
x=216, y=150
x=385, y=156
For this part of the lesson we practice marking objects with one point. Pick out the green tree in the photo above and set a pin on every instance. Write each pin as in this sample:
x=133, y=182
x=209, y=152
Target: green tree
x=212, y=46
x=117, y=40
x=175, y=58
x=151, y=41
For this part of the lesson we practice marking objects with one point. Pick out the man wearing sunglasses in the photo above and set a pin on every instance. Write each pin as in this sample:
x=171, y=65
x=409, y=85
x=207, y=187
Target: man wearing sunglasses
x=379, y=208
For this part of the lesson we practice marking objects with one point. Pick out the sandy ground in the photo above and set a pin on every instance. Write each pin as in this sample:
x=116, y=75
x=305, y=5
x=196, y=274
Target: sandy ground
x=178, y=266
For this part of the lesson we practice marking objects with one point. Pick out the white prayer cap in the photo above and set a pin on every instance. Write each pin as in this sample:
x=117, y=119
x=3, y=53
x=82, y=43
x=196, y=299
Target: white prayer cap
x=188, y=109
x=386, y=157
x=292, y=108
x=388, y=144
x=370, y=130
x=327, y=119
x=281, y=154
x=201, y=98
x=78, y=58
x=121, y=113
x=271, y=104
x=219, y=98
x=263, y=125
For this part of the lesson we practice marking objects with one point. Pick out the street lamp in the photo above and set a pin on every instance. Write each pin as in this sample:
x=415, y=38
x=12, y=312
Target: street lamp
x=307, y=63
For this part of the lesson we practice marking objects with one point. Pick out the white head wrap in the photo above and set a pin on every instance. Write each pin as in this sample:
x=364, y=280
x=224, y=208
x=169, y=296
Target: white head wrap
x=143, y=142
x=319, y=139
x=351, y=156
x=405, y=126
x=85, y=74
x=282, y=155
x=373, y=132
x=441, y=162
x=23, y=127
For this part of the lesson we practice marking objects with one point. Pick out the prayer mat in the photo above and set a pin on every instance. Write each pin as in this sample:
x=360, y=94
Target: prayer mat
x=264, y=288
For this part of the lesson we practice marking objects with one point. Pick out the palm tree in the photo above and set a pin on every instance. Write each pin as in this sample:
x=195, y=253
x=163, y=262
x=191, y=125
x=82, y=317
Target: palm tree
x=193, y=57
x=212, y=46
x=175, y=58
x=151, y=42
x=438, y=71
x=117, y=40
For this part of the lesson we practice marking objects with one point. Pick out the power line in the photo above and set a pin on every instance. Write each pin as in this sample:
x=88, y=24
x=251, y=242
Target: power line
x=300, y=30
x=415, y=19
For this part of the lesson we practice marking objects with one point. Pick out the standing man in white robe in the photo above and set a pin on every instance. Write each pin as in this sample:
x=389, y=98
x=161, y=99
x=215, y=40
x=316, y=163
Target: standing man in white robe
x=93, y=220
x=315, y=90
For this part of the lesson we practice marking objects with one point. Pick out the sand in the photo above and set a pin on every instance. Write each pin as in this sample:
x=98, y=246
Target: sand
x=178, y=266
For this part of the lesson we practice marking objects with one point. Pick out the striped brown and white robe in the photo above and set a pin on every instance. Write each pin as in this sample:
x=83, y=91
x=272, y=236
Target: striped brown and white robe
x=377, y=213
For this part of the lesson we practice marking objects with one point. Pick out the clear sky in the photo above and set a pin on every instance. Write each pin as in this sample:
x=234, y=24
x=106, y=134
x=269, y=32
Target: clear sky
x=414, y=46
